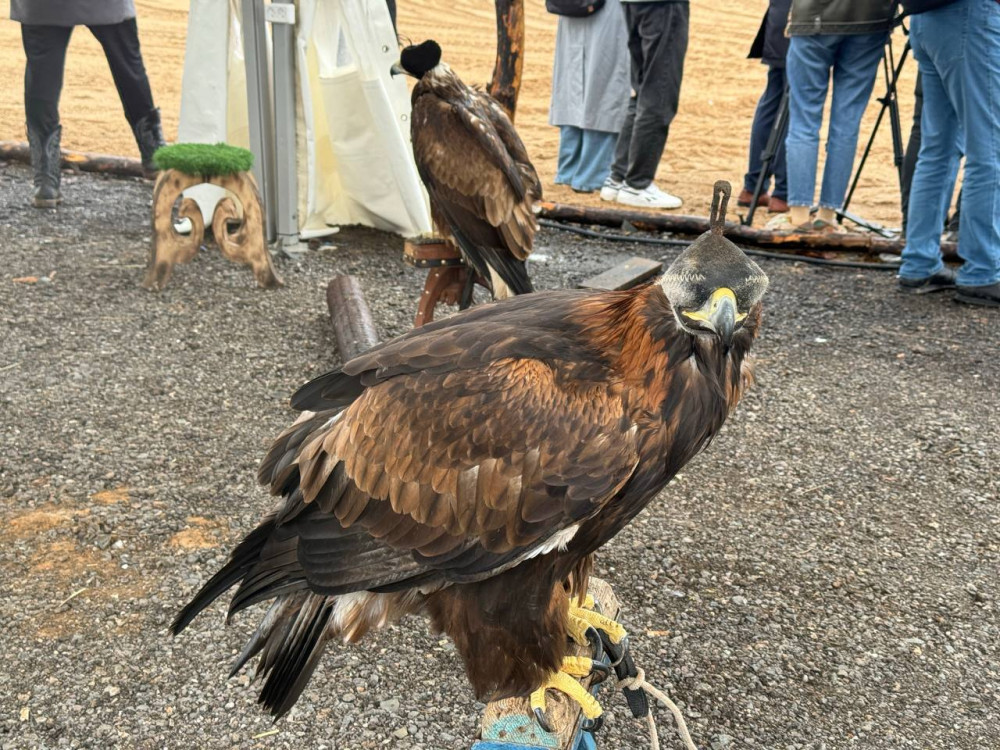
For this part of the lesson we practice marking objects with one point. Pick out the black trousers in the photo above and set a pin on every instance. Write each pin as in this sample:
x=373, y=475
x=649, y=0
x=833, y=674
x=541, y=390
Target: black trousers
x=768, y=109
x=657, y=43
x=45, y=48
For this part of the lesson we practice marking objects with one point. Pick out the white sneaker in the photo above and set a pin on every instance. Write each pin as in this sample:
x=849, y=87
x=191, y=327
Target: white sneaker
x=648, y=197
x=609, y=191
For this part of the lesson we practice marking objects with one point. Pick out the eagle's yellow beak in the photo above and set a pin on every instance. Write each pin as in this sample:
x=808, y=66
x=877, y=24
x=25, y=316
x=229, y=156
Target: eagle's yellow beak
x=719, y=313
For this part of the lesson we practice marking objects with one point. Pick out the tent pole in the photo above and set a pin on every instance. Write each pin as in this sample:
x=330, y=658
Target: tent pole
x=259, y=106
x=281, y=15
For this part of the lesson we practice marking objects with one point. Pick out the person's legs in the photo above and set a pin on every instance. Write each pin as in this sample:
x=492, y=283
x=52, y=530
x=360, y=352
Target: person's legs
x=938, y=159
x=760, y=131
x=121, y=47
x=979, y=113
x=663, y=29
x=45, y=50
x=808, y=70
x=912, y=149
x=854, y=71
x=620, y=165
x=779, y=166
x=596, y=151
x=570, y=144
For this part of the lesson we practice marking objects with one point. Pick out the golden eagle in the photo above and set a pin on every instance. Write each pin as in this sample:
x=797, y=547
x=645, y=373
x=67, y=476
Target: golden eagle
x=470, y=468
x=476, y=169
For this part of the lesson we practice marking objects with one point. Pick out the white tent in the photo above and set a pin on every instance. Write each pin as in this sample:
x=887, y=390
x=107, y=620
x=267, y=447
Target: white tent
x=352, y=158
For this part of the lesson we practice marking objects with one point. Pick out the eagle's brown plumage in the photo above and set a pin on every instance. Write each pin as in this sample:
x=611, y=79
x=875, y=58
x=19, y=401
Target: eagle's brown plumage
x=471, y=467
x=481, y=182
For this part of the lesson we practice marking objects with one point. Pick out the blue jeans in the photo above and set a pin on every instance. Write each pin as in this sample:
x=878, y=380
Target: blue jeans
x=584, y=157
x=760, y=132
x=854, y=60
x=958, y=50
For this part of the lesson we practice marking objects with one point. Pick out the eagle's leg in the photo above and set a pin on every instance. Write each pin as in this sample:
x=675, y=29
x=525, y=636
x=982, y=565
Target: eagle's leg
x=566, y=681
x=586, y=627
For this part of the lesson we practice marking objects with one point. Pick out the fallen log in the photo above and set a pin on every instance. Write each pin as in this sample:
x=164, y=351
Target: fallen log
x=120, y=166
x=353, y=325
x=695, y=225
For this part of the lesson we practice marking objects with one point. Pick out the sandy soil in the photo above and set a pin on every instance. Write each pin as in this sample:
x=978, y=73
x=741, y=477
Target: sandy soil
x=708, y=140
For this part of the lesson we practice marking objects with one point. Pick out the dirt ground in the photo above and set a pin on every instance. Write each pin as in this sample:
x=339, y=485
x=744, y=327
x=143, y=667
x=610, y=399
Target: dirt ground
x=708, y=140
x=823, y=577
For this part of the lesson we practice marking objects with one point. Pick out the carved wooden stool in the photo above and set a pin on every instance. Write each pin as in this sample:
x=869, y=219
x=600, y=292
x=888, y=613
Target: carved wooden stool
x=449, y=280
x=185, y=165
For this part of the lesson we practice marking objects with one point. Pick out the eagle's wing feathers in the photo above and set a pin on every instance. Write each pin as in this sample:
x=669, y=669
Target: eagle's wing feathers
x=472, y=177
x=417, y=465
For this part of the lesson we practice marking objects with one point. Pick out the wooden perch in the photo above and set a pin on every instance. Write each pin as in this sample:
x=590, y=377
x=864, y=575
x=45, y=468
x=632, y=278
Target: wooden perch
x=664, y=222
x=353, y=325
x=104, y=163
x=510, y=725
x=506, y=81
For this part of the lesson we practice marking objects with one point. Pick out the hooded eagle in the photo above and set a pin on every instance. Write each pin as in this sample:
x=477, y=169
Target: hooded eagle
x=470, y=468
x=476, y=169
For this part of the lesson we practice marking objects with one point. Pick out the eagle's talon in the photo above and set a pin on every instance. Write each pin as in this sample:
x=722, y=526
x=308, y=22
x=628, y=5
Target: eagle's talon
x=596, y=643
x=592, y=726
x=565, y=681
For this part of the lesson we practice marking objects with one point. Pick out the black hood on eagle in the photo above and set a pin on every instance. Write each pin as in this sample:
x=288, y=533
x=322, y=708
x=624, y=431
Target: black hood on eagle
x=417, y=59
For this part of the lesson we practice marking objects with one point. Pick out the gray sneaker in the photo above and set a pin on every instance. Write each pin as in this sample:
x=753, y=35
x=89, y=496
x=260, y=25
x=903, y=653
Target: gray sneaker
x=985, y=296
x=609, y=191
x=936, y=282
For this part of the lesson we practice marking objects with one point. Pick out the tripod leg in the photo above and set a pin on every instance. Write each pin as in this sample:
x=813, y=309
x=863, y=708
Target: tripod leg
x=778, y=131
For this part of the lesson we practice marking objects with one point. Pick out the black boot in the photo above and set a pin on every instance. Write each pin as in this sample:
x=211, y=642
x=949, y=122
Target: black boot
x=46, y=160
x=149, y=137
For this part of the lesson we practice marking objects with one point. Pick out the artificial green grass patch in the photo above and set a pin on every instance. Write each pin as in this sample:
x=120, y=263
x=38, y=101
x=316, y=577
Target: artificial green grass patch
x=205, y=159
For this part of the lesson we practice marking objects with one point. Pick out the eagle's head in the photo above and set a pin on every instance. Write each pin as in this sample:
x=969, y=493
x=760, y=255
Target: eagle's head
x=418, y=59
x=712, y=286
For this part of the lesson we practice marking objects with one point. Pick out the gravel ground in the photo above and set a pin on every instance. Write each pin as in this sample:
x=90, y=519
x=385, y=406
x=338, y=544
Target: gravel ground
x=825, y=576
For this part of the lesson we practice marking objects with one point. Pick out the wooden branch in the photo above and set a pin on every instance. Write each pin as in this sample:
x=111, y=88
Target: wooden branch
x=353, y=325
x=103, y=163
x=664, y=222
x=506, y=82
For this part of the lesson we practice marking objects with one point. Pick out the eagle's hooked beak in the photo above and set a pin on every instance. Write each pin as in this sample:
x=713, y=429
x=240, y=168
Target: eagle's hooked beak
x=720, y=314
x=396, y=70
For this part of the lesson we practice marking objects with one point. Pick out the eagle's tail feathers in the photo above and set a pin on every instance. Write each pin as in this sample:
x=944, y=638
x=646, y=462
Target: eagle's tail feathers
x=244, y=557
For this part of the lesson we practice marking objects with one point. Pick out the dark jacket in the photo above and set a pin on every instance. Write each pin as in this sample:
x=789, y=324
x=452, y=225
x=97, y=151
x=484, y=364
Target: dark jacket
x=840, y=16
x=71, y=12
x=913, y=7
x=771, y=45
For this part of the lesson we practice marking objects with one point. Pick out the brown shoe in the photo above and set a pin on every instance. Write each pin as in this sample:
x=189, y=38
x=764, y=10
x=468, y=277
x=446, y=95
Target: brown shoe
x=777, y=206
x=745, y=196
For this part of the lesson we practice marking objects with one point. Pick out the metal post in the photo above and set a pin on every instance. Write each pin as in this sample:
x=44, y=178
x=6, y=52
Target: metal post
x=259, y=107
x=281, y=16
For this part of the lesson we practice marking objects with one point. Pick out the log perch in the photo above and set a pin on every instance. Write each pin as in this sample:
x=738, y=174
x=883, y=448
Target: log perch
x=120, y=166
x=695, y=225
x=353, y=325
x=506, y=81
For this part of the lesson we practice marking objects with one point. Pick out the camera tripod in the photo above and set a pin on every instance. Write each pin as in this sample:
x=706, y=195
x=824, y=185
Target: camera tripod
x=891, y=68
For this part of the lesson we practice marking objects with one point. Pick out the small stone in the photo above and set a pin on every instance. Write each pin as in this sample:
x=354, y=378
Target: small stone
x=401, y=733
x=389, y=704
x=739, y=601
